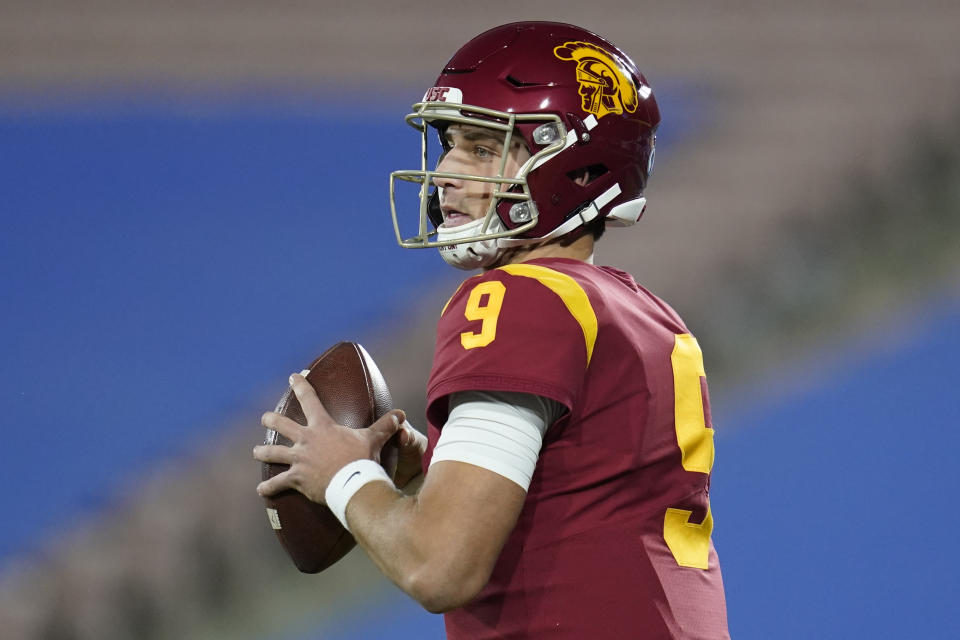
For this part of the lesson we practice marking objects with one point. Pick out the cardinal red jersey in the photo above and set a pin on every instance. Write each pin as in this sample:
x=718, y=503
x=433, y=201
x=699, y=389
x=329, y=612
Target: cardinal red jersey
x=614, y=537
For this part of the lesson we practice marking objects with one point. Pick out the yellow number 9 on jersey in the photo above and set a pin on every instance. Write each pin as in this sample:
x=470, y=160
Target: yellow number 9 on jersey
x=483, y=304
x=689, y=542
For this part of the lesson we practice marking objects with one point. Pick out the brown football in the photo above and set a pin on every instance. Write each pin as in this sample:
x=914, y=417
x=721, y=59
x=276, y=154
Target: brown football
x=355, y=394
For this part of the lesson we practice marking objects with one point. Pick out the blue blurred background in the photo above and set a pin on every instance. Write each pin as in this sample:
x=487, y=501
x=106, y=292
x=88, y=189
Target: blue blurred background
x=164, y=266
x=194, y=203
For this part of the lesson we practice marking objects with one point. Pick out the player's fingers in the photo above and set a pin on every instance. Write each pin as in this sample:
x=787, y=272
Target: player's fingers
x=411, y=438
x=274, y=453
x=385, y=427
x=313, y=409
x=281, y=424
x=276, y=484
x=405, y=438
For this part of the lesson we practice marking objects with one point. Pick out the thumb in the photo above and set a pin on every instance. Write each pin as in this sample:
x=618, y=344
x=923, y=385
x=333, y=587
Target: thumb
x=388, y=424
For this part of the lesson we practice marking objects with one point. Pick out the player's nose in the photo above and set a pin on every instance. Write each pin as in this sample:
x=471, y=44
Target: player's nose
x=448, y=164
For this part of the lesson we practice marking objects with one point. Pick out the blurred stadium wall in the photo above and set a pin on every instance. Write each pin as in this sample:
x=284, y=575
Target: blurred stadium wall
x=193, y=204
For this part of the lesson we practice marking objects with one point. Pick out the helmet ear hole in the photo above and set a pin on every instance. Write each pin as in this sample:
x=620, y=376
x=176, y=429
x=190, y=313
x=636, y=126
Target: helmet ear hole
x=585, y=175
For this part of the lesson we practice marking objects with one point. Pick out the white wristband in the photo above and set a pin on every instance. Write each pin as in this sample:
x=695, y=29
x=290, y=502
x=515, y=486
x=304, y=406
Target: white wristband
x=348, y=481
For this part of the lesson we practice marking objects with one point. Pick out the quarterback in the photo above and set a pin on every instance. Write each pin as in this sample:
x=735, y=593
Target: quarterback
x=566, y=467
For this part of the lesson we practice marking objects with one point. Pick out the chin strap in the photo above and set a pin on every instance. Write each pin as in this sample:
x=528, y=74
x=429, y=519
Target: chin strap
x=484, y=253
x=469, y=255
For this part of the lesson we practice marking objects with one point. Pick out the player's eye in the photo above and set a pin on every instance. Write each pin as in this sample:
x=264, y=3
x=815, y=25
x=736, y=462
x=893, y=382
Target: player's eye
x=483, y=152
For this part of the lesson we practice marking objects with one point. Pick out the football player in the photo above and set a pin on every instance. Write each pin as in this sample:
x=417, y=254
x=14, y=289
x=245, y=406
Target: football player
x=569, y=448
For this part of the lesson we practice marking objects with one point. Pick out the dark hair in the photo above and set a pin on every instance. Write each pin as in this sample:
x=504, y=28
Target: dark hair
x=596, y=226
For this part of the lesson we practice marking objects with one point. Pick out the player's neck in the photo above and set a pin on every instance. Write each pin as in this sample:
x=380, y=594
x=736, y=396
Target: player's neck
x=579, y=249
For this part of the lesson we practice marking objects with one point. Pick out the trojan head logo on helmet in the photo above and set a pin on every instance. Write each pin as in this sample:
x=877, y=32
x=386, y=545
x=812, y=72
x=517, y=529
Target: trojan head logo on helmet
x=578, y=105
x=604, y=85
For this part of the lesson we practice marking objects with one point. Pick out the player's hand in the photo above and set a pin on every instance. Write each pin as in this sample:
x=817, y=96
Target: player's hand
x=319, y=449
x=413, y=445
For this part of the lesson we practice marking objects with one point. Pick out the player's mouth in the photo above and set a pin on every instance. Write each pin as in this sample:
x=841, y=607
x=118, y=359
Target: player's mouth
x=454, y=218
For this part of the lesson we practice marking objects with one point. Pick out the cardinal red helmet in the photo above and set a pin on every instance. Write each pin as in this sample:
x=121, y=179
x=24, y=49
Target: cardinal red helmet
x=581, y=107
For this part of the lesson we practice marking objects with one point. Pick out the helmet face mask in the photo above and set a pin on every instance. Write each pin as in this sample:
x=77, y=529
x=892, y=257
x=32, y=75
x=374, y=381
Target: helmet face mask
x=581, y=108
x=510, y=192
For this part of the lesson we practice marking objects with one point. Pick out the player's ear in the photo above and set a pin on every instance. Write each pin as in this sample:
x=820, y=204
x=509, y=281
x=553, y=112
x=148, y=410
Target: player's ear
x=581, y=177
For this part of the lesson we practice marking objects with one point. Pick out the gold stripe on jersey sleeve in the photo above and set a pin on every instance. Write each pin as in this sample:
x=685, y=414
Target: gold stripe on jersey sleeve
x=572, y=294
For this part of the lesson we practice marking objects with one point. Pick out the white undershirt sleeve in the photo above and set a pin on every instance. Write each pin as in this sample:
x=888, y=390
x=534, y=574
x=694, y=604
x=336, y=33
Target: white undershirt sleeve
x=499, y=431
